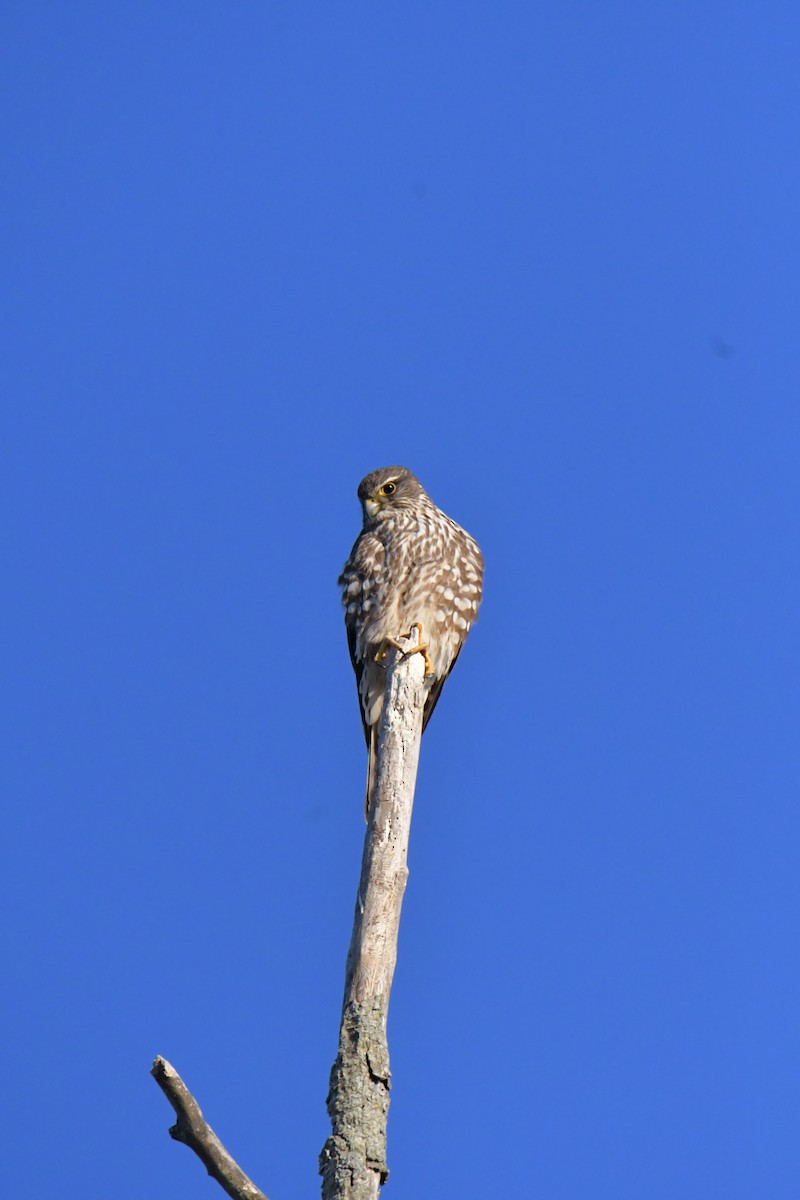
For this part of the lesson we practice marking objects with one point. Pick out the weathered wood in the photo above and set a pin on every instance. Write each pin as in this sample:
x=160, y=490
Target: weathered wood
x=192, y=1129
x=353, y=1159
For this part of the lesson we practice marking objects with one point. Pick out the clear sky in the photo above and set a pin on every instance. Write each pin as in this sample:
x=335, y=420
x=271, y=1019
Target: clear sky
x=547, y=256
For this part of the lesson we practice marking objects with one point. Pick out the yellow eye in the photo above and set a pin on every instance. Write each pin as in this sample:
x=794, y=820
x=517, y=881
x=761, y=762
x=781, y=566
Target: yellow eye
x=388, y=488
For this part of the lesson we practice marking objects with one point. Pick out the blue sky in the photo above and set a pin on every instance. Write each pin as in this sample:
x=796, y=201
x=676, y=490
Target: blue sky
x=546, y=255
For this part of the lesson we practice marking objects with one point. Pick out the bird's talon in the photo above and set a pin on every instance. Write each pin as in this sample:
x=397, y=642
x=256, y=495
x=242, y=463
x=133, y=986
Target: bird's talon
x=422, y=649
x=388, y=643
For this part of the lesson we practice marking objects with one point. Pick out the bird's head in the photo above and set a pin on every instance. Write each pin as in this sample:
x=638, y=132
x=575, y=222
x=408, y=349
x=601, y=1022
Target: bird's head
x=388, y=489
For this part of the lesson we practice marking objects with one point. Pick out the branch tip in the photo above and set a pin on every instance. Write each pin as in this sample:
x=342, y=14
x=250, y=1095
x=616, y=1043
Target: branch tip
x=194, y=1131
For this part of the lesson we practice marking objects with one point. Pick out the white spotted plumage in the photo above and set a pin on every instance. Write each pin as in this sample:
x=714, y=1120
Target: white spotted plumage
x=411, y=564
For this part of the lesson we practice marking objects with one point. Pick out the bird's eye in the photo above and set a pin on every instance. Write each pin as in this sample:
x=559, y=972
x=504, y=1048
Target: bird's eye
x=388, y=488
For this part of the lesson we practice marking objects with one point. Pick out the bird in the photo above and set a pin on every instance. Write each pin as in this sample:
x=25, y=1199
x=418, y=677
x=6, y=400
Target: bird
x=410, y=565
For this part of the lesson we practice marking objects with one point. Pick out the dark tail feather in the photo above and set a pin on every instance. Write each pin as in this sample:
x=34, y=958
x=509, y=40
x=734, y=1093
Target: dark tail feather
x=372, y=751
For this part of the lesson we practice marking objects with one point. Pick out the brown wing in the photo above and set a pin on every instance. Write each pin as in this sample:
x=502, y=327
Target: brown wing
x=461, y=568
x=358, y=667
x=361, y=569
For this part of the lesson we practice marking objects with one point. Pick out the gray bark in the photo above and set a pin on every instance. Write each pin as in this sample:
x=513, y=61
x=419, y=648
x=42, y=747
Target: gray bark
x=353, y=1159
x=193, y=1130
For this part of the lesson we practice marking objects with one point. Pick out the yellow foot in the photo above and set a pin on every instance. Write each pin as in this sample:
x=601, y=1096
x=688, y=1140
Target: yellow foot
x=392, y=643
x=388, y=643
x=422, y=648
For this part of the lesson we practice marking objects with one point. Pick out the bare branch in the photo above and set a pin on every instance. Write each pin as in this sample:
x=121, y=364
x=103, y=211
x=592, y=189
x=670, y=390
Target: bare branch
x=194, y=1132
x=353, y=1159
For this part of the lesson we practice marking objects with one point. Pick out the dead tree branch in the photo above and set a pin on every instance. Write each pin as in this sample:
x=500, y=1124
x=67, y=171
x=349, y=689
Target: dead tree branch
x=353, y=1159
x=192, y=1129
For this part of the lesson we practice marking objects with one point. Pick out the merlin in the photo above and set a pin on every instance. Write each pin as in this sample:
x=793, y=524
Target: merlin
x=411, y=565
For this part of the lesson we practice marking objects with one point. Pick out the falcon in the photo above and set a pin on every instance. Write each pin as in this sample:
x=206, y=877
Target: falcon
x=410, y=565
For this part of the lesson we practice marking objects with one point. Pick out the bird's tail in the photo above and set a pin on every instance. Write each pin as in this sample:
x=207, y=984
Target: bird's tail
x=372, y=755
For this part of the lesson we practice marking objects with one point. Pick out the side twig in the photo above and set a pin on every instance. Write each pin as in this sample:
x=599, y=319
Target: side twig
x=353, y=1159
x=192, y=1129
